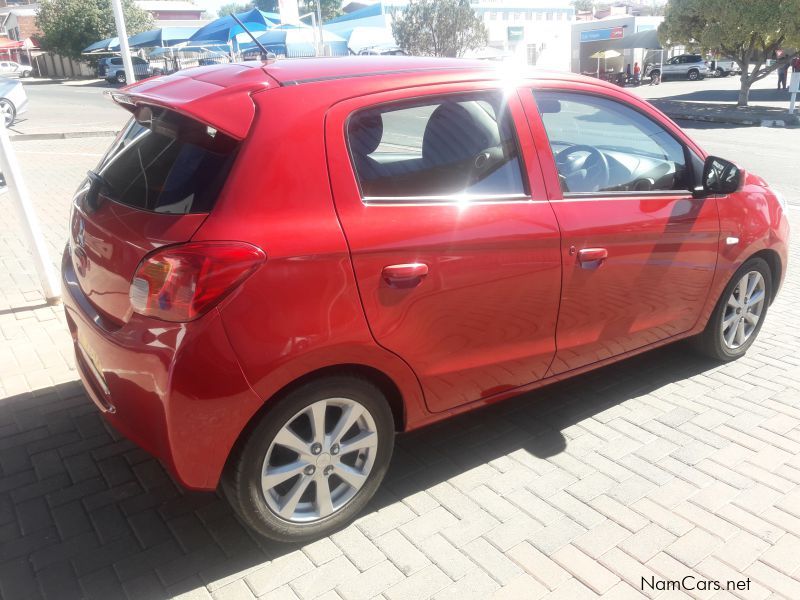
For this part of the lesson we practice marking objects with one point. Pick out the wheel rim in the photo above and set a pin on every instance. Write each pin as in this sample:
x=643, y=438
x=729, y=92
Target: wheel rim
x=319, y=460
x=692, y=75
x=743, y=310
x=7, y=111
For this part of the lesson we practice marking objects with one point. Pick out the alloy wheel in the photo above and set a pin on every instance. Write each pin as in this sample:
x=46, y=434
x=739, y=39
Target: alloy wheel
x=7, y=111
x=743, y=310
x=319, y=460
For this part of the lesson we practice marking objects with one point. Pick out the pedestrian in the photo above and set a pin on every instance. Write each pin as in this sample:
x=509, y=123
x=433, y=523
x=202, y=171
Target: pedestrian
x=796, y=64
x=783, y=72
x=628, y=73
x=637, y=71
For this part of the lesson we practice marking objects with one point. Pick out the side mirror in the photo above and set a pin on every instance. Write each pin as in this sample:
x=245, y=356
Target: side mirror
x=721, y=176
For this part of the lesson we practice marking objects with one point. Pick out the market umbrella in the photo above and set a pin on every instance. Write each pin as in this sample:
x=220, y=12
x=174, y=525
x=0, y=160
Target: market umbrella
x=604, y=54
x=292, y=41
x=226, y=28
x=106, y=45
x=162, y=36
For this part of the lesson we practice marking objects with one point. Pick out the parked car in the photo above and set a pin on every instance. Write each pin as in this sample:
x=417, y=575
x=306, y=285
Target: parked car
x=13, y=100
x=263, y=302
x=112, y=70
x=684, y=66
x=9, y=68
x=723, y=68
x=382, y=50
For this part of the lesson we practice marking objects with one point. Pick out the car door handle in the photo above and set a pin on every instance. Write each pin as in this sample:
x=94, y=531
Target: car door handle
x=405, y=275
x=592, y=258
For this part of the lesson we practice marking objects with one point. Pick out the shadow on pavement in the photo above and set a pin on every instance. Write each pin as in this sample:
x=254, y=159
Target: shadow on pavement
x=732, y=96
x=86, y=514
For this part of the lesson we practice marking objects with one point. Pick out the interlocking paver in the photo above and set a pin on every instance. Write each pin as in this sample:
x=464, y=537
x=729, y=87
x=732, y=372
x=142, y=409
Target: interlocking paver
x=673, y=467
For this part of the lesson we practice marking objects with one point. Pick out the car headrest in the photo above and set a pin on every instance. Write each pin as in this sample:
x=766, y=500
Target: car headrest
x=365, y=132
x=452, y=135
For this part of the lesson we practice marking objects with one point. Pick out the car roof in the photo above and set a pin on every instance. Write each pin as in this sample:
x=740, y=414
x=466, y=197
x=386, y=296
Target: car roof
x=312, y=70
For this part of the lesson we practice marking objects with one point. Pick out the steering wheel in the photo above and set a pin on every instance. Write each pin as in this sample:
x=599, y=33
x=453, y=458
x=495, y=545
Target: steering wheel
x=588, y=173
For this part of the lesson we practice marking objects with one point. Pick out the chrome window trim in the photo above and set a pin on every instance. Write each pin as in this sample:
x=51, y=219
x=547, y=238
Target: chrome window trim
x=459, y=199
x=648, y=194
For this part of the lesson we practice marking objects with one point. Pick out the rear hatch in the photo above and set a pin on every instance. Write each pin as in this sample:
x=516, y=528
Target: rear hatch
x=155, y=187
x=162, y=176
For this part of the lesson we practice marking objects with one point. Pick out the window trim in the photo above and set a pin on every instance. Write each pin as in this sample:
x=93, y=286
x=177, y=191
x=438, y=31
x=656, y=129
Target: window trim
x=688, y=154
x=525, y=196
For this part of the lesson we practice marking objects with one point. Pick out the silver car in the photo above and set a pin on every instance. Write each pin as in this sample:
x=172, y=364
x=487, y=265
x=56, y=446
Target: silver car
x=13, y=100
x=683, y=66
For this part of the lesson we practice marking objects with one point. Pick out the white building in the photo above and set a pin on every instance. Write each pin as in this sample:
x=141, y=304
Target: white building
x=589, y=37
x=536, y=32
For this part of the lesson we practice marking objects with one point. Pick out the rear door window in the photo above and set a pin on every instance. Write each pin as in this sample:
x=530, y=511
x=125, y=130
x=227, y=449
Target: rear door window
x=165, y=162
x=459, y=144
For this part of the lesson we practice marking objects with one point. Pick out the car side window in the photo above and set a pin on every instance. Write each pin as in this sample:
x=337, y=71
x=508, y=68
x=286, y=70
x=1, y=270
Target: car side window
x=458, y=144
x=602, y=145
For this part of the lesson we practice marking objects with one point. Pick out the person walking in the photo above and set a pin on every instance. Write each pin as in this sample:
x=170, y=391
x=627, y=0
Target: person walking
x=628, y=77
x=637, y=71
x=783, y=72
x=796, y=64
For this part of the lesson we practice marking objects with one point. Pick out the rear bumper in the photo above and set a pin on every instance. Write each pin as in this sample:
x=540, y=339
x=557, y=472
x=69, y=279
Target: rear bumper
x=175, y=389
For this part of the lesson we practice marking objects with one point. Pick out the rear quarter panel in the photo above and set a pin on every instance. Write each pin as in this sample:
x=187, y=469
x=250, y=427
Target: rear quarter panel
x=301, y=311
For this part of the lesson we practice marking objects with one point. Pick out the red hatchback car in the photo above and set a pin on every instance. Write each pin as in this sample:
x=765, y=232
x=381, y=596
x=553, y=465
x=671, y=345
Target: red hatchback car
x=277, y=266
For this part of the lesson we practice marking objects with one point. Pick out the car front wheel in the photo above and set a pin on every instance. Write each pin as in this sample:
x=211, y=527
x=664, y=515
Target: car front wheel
x=8, y=111
x=740, y=312
x=313, y=461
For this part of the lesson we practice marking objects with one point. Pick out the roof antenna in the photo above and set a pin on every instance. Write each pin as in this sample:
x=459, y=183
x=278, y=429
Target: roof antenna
x=265, y=54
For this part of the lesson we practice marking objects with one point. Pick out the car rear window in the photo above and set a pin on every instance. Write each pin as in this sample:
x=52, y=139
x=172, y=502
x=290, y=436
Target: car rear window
x=168, y=163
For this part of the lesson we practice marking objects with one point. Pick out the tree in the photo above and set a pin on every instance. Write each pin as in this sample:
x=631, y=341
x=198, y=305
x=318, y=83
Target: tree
x=748, y=32
x=68, y=26
x=270, y=6
x=583, y=5
x=232, y=8
x=329, y=8
x=438, y=28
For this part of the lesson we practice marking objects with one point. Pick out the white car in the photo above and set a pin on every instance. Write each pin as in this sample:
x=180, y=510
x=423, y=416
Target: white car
x=11, y=68
x=13, y=100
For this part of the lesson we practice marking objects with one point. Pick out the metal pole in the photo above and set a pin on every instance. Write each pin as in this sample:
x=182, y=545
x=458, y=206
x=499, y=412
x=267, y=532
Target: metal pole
x=20, y=198
x=122, y=34
x=319, y=24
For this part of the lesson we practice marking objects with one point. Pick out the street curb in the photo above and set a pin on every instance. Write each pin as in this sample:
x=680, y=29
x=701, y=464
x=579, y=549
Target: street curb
x=788, y=122
x=65, y=135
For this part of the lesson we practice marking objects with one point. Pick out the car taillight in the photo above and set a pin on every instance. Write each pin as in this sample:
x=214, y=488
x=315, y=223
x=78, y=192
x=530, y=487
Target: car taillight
x=180, y=283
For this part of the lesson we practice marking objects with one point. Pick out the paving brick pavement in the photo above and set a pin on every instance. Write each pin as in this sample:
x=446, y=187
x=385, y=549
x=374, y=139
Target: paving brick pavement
x=663, y=466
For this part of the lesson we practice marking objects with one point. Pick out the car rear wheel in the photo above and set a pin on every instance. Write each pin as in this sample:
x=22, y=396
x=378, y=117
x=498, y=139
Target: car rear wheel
x=8, y=111
x=120, y=78
x=312, y=462
x=740, y=312
x=720, y=72
x=693, y=75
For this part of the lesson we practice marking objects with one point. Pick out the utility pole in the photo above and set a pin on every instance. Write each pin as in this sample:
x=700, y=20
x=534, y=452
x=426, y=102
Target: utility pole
x=122, y=34
x=18, y=192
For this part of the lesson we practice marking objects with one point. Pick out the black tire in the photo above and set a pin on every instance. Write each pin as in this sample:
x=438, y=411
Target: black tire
x=8, y=110
x=710, y=342
x=120, y=78
x=721, y=72
x=655, y=73
x=693, y=75
x=241, y=481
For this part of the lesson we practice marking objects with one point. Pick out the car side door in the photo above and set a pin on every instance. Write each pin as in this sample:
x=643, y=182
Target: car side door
x=639, y=251
x=454, y=245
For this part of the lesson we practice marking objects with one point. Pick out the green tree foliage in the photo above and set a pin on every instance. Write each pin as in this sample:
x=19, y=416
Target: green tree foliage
x=329, y=8
x=746, y=31
x=270, y=6
x=71, y=25
x=232, y=8
x=439, y=28
x=583, y=5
